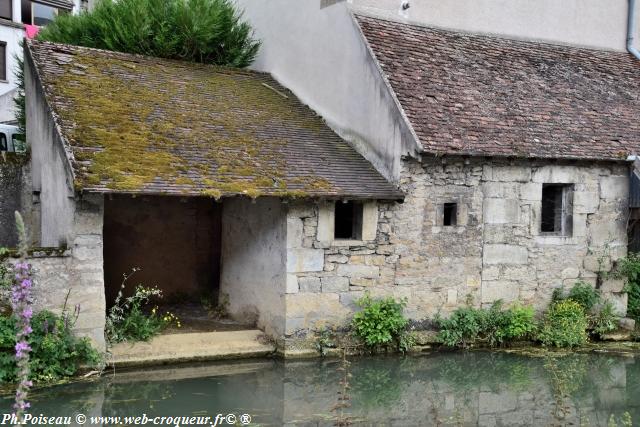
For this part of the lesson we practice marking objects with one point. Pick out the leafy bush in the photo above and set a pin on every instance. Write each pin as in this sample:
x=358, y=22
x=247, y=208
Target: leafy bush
x=605, y=320
x=56, y=352
x=564, y=325
x=462, y=328
x=207, y=31
x=381, y=322
x=520, y=323
x=629, y=269
x=496, y=326
x=127, y=319
x=585, y=295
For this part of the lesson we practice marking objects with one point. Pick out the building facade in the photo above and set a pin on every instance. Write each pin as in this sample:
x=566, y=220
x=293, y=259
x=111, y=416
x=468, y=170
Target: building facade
x=496, y=169
x=14, y=16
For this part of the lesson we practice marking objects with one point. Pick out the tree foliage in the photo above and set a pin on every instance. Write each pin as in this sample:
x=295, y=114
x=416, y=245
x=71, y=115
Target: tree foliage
x=206, y=31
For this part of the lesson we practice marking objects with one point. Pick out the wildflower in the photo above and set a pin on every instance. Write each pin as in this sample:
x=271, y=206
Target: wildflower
x=21, y=300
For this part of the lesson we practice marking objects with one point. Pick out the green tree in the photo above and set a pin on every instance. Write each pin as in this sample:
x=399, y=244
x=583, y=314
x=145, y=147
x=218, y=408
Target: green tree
x=207, y=31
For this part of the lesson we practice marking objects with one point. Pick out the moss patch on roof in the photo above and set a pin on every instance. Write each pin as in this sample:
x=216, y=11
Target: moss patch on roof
x=139, y=124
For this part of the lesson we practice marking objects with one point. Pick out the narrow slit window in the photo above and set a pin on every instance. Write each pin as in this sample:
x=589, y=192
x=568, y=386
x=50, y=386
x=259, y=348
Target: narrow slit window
x=557, y=209
x=348, y=220
x=450, y=214
x=3, y=142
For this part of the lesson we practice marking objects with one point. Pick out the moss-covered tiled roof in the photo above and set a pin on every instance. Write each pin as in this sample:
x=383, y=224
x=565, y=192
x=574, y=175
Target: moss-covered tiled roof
x=137, y=124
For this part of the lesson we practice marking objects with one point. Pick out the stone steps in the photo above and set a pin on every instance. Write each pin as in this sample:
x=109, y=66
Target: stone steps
x=191, y=347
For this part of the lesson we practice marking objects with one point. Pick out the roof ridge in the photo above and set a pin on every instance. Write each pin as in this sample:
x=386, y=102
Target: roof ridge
x=494, y=36
x=126, y=56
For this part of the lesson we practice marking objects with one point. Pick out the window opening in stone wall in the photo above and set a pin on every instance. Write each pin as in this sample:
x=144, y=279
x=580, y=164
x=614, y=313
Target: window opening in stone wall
x=3, y=142
x=348, y=220
x=557, y=209
x=450, y=214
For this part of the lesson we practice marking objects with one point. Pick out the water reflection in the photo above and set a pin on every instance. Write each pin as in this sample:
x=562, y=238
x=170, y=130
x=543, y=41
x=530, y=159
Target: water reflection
x=478, y=388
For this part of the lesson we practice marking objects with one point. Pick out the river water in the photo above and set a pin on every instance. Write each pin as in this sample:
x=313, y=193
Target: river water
x=457, y=389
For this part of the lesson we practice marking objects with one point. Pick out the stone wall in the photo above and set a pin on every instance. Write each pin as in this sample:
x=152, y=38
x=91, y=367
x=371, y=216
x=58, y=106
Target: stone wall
x=253, y=261
x=11, y=179
x=75, y=274
x=495, y=251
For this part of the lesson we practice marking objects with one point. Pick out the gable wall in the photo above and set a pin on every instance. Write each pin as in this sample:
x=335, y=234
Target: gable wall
x=495, y=251
x=51, y=175
x=327, y=64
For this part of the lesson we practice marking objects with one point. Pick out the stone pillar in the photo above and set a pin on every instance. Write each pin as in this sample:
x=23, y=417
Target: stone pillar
x=88, y=269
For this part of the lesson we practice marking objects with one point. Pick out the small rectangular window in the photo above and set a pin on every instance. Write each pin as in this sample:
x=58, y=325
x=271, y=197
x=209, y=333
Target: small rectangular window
x=6, y=9
x=450, y=214
x=557, y=209
x=3, y=142
x=3, y=61
x=348, y=220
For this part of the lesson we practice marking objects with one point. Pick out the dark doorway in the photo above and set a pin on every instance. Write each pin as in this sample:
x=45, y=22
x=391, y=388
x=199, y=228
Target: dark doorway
x=175, y=242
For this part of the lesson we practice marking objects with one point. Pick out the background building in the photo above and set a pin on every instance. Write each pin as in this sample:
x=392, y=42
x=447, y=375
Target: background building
x=15, y=17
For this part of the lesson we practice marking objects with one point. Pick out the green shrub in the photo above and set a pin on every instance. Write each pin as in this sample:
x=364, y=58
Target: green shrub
x=521, y=323
x=564, y=325
x=381, y=322
x=629, y=269
x=56, y=352
x=604, y=320
x=462, y=328
x=633, y=303
x=129, y=318
x=585, y=295
x=207, y=31
x=466, y=325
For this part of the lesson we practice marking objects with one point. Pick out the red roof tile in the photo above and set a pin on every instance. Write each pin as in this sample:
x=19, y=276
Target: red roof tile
x=482, y=95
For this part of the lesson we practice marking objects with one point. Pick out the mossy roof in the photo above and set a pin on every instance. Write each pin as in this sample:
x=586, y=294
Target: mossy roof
x=136, y=124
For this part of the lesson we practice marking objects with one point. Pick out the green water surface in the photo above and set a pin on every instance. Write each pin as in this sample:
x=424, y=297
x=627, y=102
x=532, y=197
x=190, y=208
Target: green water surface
x=463, y=388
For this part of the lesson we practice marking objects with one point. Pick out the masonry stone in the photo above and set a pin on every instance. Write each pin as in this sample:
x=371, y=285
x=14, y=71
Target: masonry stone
x=614, y=187
x=292, y=286
x=501, y=211
x=358, y=271
x=294, y=232
x=335, y=284
x=612, y=285
x=505, y=254
x=309, y=284
x=304, y=260
x=493, y=291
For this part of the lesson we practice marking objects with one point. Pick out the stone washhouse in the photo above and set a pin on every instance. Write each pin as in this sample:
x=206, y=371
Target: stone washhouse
x=490, y=178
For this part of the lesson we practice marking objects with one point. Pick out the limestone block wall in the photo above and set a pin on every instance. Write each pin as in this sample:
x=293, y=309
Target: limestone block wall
x=325, y=277
x=495, y=251
x=76, y=272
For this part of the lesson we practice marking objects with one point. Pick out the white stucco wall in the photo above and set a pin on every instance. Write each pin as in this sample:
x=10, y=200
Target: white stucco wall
x=592, y=23
x=319, y=54
x=51, y=173
x=253, y=261
x=12, y=36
